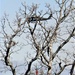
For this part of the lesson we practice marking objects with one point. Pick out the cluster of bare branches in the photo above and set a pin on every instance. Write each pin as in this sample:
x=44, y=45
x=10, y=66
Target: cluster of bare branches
x=44, y=33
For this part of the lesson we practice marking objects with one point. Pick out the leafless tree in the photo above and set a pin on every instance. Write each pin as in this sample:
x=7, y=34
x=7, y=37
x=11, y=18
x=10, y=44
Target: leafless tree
x=48, y=36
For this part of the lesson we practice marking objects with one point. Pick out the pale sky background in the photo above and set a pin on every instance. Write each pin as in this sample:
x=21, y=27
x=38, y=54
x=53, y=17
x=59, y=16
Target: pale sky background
x=12, y=6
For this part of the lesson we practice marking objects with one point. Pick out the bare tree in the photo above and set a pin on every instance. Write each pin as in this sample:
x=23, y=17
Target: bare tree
x=48, y=36
x=7, y=48
x=44, y=36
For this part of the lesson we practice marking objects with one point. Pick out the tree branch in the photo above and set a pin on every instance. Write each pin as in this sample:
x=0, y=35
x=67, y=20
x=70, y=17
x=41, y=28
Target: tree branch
x=72, y=69
x=64, y=43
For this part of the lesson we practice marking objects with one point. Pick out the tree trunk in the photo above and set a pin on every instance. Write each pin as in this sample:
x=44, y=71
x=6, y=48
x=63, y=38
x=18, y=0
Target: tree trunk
x=50, y=68
x=50, y=60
